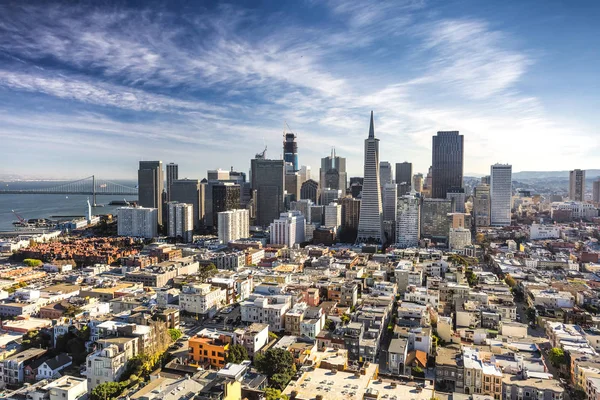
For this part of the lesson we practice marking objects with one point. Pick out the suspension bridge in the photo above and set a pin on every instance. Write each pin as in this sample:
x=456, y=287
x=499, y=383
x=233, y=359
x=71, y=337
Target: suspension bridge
x=87, y=186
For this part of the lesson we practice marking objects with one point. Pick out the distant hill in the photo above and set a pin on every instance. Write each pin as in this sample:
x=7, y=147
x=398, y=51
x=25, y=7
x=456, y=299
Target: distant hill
x=589, y=174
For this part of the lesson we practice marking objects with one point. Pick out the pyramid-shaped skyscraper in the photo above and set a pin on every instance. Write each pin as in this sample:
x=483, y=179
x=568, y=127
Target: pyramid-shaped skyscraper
x=370, y=224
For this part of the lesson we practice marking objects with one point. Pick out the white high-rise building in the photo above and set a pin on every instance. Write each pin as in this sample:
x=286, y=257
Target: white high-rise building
x=233, y=225
x=370, y=225
x=500, y=194
x=333, y=216
x=304, y=173
x=288, y=229
x=137, y=222
x=408, y=221
x=181, y=221
x=390, y=198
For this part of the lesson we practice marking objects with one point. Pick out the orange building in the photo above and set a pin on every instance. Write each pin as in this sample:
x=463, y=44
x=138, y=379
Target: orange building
x=209, y=348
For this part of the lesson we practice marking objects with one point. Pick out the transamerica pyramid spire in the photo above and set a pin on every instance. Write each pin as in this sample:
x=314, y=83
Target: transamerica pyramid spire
x=371, y=128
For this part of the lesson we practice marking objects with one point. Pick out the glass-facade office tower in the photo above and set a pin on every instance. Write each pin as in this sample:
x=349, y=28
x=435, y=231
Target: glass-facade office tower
x=151, y=186
x=268, y=181
x=447, y=168
x=500, y=194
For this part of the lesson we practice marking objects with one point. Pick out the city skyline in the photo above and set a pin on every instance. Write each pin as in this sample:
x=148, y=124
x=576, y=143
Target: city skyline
x=113, y=93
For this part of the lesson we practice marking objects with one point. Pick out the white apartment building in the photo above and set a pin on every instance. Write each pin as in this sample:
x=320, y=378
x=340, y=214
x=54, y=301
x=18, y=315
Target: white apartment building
x=390, y=199
x=423, y=296
x=253, y=338
x=288, y=229
x=577, y=209
x=459, y=238
x=202, y=299
x=500, y=194
x=268, y=310
x=541, y=232
x=231, y=261
x=550, y=298
x=137, y=222
x=407, y=275
x=105, y=365
x=333, y=215
x=67, y=388
x=181, y=221
x=233, y=225
x=408, y=221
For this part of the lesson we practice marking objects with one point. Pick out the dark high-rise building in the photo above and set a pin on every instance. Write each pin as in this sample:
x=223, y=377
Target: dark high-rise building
x=190, y=191
x=150, y=186
x=332, y=168
x=226, y=197
x=404, y=178
x=268, y=182
x=481, y=206
x=310, y=191
x=172, y=175
x=577, y=185
x=350, y=212
x=290, y=150
x=447, y=168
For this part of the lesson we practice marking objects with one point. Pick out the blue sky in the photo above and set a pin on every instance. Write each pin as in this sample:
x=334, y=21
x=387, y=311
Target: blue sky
x=88, y=88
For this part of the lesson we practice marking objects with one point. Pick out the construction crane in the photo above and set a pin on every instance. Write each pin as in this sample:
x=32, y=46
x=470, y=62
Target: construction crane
x=261, y=156
x=22, y=220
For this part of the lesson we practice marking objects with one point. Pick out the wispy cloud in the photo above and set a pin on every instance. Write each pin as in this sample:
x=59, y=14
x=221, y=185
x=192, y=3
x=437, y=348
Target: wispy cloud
x=214, y=82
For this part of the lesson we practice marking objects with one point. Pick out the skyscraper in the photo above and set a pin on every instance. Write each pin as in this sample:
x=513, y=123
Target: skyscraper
x=190, y=191
x=329, y=195
x=350, y=213
x=458, y=198
x=404, y=178
x=481, y=205
x=500, y=194
x=181, y=221
x=370, y=226
x=310, y=190
x=268, y=181
x=596, y=191
x=290, y=150
x=172, y=175
x=333, y=168
x=150, y=186
x=226, y=196
x=408, y=221
x=577, y=185
x=447, y=168
x=418, y=183
x=390, y=199
x=385, y=174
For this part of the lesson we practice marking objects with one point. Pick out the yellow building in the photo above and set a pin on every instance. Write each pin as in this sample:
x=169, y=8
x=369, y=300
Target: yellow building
x=209, y=349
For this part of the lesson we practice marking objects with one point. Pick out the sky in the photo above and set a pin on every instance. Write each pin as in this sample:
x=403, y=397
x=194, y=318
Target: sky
x=94, y=87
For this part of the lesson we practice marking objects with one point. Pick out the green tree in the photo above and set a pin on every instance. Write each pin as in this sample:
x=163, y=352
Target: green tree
x=278, y=365
x=107, y=391
x=345, y=319
x=329, y=325
x=237, y=354
x=510, y=281
x=273, y=336
x=206, y=271
x=36, y=339
x=274, y=394
x=32, y=262
x=557, y=356
x=531, y=314
x=175, y=334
